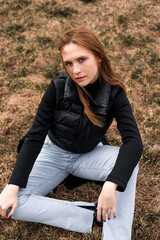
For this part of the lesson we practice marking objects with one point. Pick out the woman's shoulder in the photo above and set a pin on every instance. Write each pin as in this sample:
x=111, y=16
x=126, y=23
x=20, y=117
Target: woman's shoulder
x=116, y=90
x=60, y=79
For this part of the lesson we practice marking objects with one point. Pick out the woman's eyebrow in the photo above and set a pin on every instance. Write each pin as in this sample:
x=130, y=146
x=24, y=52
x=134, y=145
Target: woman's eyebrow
x=83, y=56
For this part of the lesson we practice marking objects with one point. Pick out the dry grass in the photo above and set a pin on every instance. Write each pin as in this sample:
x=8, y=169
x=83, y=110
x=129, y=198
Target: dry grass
x=29, y=60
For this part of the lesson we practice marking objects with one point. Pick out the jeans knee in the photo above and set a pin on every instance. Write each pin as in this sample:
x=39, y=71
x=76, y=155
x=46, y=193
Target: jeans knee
x=115, y=152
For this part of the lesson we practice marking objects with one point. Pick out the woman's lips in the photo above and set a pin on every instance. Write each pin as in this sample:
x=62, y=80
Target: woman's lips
x=80, y=78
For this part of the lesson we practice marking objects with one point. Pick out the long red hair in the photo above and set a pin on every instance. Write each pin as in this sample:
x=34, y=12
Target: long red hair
x=85, y=38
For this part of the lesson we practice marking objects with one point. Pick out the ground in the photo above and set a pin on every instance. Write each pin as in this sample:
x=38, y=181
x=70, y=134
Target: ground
x=129, y=32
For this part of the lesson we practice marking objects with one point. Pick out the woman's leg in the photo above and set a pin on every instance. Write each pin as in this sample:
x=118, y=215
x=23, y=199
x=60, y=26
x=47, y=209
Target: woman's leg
x=48, y=171
x=96, y=165
x=121, y=227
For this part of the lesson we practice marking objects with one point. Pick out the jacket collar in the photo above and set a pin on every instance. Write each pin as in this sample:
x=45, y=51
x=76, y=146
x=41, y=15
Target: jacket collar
x=101, y=101
x=70, y=90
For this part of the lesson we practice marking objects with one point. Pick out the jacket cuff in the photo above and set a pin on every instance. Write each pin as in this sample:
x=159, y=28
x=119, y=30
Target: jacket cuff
x=121, y=184
x=20, y=183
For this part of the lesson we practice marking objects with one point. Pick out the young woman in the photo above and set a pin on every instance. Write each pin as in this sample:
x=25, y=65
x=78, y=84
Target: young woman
x=66, y=138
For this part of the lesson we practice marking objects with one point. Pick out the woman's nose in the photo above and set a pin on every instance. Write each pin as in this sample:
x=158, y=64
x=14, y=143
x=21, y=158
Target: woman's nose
x=76, y=69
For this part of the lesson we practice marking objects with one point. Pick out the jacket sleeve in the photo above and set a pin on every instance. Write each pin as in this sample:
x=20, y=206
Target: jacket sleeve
x=132, y=147
x=35, y=138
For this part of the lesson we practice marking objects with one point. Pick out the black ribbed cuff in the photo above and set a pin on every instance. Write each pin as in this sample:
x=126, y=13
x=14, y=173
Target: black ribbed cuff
x=121, y=184
x=20, y=183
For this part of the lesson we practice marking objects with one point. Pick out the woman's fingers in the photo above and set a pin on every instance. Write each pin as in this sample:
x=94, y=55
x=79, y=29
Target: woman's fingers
x=104, y=213
x=109, y=213
x=3, y=211
x=8, y=199
x=12, y=211
x=99, y=212
x=114, y=212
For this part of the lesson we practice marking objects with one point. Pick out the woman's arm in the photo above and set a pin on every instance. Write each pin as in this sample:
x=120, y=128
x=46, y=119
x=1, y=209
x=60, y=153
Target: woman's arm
x=132, y=147
x=128, y=157
x=35, y=138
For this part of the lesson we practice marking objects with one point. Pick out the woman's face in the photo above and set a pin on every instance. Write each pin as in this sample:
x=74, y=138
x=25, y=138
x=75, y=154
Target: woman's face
x=80, y=63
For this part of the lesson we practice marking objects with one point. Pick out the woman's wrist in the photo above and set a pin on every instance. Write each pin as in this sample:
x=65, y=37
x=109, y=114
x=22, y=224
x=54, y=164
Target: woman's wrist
x=111, y=184
x=14, y=188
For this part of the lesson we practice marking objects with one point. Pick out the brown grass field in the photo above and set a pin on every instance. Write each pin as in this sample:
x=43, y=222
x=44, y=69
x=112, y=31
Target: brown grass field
x=29, y=59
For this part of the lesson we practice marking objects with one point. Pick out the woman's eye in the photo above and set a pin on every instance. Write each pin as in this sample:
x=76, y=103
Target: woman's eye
x=82, y=60
x=68, y=64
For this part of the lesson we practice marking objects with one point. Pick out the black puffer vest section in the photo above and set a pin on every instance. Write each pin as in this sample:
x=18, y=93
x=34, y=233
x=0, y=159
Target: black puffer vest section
x=71, y=129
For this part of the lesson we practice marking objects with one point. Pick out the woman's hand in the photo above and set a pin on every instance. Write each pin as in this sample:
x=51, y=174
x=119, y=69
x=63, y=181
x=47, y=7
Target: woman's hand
x=8, y=199
x=107, y=201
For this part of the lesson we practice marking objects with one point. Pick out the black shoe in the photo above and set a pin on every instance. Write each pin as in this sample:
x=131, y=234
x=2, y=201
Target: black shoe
x=93, y=208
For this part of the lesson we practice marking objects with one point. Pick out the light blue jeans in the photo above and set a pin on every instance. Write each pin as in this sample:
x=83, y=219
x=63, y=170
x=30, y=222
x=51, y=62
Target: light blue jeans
x=51, y=167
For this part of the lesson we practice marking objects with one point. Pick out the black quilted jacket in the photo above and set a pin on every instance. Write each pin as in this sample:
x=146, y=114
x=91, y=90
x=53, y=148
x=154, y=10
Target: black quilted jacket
x=60, y=115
